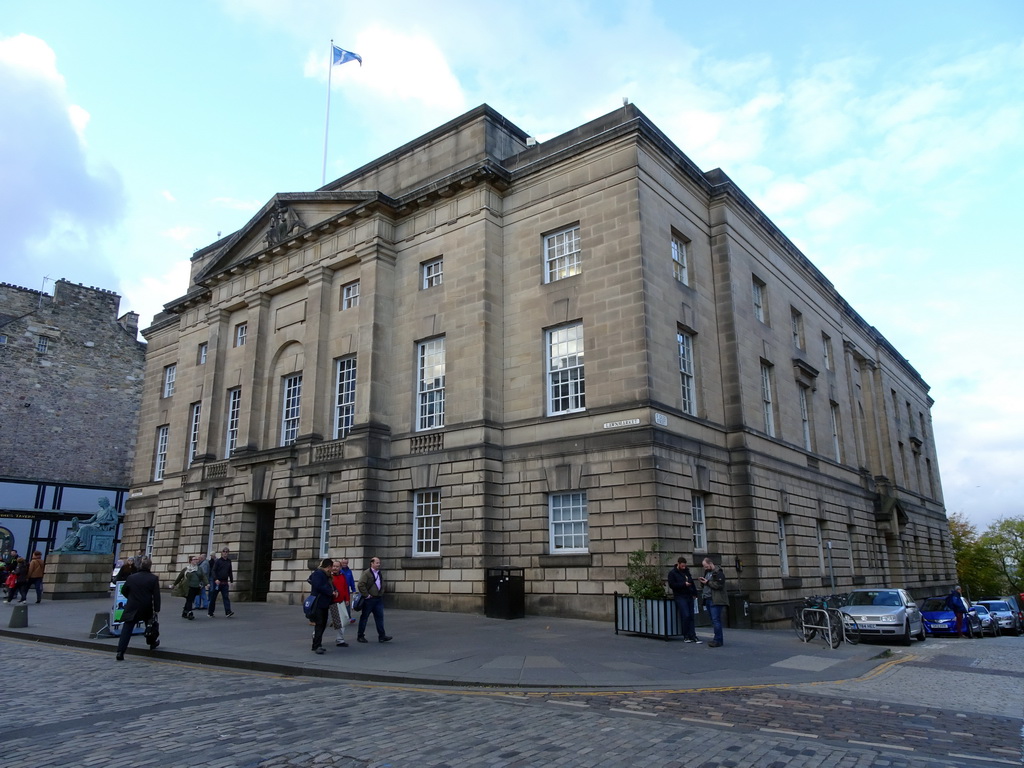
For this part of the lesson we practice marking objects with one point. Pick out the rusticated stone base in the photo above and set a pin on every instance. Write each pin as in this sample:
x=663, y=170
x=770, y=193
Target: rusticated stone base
x=72, y=576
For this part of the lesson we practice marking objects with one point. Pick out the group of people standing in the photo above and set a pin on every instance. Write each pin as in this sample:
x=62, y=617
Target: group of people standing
x=334, y=588
x=18, y=576
x=202, y=580
x=709, y=587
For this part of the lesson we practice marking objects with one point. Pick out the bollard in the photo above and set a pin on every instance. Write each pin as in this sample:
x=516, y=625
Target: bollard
x=19, y=617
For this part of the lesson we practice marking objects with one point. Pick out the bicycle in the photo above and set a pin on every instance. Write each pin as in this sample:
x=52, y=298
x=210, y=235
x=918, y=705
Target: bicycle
x=820, y=613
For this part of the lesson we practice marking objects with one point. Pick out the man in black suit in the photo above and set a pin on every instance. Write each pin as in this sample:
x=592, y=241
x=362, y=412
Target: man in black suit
x=142, y=589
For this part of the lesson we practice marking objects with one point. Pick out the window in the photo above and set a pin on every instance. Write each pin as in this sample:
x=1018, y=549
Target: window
x=433, y=273
x=42, y=343
x=210, y=529
x=826, y=350
x=150, y=538
x=767, y=406
x=3, y=338
x=783, y=552
x=344, y=396
x=758, y=290
x=797, y=323
x=567, y=513
x=201, y=354
x=160, y=461
x=805, y=417
x=231, y=430
x=426, y=523
x=684, y=341
x=697, y=523
x=325, y=526
x=819, y=529
x=170, y=373
x=836, y=443
x=240, y=333
x=291, y=404
x=680, y=266
x=430, y=384
x=350, y=295
x=566, y=382
x=562, y=254
x=193, y=431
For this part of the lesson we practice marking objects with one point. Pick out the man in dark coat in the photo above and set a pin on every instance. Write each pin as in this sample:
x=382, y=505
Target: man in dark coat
x=322, y=587
x=142, y=589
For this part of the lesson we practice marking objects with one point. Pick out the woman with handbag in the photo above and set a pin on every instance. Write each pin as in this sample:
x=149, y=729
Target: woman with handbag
x=192, y=581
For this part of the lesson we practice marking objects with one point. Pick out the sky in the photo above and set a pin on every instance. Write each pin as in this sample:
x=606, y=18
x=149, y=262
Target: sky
x=885, y=139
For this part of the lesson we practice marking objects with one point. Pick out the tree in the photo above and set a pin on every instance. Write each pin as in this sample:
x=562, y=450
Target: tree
x=643, y=575
x=977, y=567
x=1005, y=538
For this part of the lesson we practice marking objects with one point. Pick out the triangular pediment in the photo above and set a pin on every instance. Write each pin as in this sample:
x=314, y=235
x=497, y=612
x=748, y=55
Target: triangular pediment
x=286, y=218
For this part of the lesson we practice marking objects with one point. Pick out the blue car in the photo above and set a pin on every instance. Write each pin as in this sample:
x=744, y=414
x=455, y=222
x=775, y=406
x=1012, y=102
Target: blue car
x=939, y=620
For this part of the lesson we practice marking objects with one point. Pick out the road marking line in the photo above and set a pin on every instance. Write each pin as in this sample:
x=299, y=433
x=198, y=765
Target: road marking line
x=986, y=759
x=880, y=746
x=632, y=712
x=789, y=733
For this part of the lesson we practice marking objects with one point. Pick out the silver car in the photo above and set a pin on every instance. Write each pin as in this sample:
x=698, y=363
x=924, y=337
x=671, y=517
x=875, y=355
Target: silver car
x=885, y=613
x=1003, y=612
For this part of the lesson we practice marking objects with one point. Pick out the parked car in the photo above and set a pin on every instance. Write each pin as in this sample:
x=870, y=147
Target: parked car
x=1016, y=603
x=940, y=620
x=989, y=623
x=1003, y=612
x=885, y=613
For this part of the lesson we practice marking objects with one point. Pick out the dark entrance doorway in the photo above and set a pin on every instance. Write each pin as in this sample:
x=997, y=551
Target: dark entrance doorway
x=263, y=548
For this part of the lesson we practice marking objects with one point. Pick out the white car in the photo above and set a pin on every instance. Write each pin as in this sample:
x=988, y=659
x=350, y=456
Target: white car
x=885, y=613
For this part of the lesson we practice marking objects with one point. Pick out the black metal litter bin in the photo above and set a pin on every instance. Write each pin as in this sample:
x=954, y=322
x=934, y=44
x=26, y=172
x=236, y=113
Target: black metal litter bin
x=505, y=597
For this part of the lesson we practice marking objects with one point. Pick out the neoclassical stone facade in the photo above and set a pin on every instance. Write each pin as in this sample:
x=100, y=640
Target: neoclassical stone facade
x=480, y=351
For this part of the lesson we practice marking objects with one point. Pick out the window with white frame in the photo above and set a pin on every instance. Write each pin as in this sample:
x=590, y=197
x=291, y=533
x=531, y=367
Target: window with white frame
x=291, y=405
x=684, y=343
x=210, y=529
x=194, y=419
x=767, y=404
x=234, y=411
x=783, y=548
x=325, y=526
x=566, y=380
x=430, y=372
x=758, y=291
x=350, y=295
x=797, y=326
x=42, y=343
x=680, y=264
x=805, y=416
x=826, y=350
x=170, y=373
x=433, y=273
x=697, y=523
x=836, y=443
x=569, y=527
x=241, y=331
x=201, y=353
x=150, y=539
x=344, y=395
x=562, y=254
x=426, y=523
x=160, y=459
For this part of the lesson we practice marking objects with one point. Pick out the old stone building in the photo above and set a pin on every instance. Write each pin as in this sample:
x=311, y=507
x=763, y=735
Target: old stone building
x=71, y=377
x=481, y=351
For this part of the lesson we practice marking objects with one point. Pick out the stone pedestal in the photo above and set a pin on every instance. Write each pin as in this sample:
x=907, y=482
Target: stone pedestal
x=72, y=576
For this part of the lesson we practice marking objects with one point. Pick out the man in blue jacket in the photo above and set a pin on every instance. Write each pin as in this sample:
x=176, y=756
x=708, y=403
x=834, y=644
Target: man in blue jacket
x=322, y=588
x=956, y=603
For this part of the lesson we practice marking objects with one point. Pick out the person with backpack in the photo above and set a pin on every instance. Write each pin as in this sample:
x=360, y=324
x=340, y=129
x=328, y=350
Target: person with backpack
x=192, y=581
x=323, y=594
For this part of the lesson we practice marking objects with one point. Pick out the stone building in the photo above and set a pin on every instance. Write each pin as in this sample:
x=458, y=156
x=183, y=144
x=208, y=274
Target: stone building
x=71, y=377
x=480, y=351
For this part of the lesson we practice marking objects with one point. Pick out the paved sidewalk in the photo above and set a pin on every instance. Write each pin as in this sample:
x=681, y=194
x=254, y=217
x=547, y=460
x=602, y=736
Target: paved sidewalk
x=462, y=650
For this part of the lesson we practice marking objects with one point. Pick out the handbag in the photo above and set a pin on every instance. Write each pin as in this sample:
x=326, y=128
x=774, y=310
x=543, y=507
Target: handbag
x=357, y=602
x=152, y=633
x=12, y=581
x=308, y=606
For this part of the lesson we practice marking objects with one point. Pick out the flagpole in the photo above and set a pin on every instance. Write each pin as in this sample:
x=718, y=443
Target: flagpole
x=327, y=121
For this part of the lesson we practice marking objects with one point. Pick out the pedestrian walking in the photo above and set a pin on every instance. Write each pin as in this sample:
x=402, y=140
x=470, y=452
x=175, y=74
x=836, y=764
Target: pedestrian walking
x=203, y=599
x=351, y=581
x=17, y=581
x=323, y=591
x=955, y=602
x=142, y=589
x=715, y=598
x=223, y=578
x=36, y=570
x=340, y=604
x=192, y=581
x=684, y=592
x=371, y=587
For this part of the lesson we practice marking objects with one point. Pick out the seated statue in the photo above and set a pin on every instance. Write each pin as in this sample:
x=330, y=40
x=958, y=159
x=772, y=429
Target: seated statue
x=100, y=526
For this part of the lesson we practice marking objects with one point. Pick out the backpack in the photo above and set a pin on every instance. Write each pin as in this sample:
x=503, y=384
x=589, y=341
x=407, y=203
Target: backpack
x=308, y=606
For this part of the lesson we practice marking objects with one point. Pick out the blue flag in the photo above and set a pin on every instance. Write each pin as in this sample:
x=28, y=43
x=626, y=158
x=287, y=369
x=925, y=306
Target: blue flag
x=341, y=56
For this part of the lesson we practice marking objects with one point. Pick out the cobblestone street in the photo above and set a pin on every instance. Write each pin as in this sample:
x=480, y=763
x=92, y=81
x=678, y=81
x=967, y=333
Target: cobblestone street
x=940, y=703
